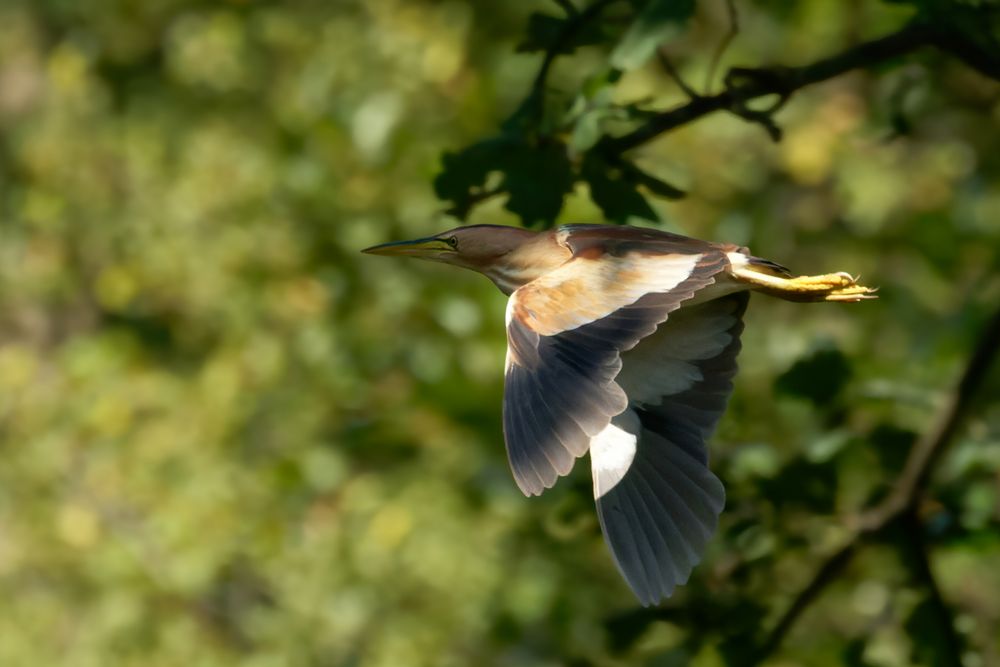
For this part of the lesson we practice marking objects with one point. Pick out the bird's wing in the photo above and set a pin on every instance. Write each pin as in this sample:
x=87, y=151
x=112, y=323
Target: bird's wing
x=565, y=333
x=657, y=500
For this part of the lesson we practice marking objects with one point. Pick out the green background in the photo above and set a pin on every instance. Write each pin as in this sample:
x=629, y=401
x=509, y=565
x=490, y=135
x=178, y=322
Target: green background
x=226, y=437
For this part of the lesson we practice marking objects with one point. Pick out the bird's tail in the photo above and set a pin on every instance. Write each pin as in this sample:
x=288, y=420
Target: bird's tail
x=767, y=266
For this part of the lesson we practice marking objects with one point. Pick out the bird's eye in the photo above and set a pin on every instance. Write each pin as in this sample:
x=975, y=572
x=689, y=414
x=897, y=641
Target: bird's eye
x=452, y=241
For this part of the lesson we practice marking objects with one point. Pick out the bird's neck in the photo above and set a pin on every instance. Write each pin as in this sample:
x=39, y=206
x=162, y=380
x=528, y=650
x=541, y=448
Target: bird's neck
x=534, y=258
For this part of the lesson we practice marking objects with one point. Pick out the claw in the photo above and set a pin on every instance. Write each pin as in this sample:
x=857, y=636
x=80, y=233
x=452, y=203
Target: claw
x=853, y=293
x=849, y=298
x=840, y=286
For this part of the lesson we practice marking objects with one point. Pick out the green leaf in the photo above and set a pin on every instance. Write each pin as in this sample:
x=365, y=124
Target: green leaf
x=559, y=35
x=627, y=627
x=819, y=378
x=657, y=23
x=588, y=130
x=536, y=176
x=931, y=646
x=537, y=179
x=655, y=185
x=464, y=173
x=853, y=654
x=892, y=445
x=590, y=109
x=812, y=486
x=614, y=192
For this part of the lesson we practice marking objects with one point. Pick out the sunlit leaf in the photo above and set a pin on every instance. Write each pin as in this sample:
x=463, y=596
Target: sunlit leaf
x=656, y=24
x=591, y=108
x=588, y=130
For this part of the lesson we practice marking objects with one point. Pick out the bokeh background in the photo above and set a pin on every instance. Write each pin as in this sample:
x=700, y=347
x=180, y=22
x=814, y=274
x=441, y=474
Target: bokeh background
x=226, y=437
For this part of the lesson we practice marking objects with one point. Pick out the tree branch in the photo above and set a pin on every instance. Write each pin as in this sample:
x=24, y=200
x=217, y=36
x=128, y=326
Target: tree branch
x=983, y=58
x=672, y=72
x=827, y=574
x=913, y=533
x=927, y=451
x=746, y=84
x=734, y=29
x=907, y=490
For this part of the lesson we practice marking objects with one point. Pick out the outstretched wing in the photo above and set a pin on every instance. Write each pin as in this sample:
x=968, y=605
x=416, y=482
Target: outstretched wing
x=565, y=334
x=657, y=500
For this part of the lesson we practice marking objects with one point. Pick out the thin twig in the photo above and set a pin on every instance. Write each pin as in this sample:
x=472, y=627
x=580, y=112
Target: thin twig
x=909, y=485
x=734, y=29
x=672, y=72
x=827, y=574
x=913, y=532
x=461, y=209
x=573, y=24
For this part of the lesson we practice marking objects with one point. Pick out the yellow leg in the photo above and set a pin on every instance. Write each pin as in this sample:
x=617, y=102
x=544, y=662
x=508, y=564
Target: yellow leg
x=826, y=287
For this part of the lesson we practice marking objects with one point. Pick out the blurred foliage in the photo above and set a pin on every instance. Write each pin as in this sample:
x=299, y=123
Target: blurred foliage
x=228, y=438
x=819, y=377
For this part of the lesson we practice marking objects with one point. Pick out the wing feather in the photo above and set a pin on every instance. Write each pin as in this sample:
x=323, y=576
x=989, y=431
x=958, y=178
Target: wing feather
x=566, y=332
x=653, y=488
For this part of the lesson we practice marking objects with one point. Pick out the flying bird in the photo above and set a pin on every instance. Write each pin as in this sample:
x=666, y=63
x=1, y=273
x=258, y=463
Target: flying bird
x=622, y=342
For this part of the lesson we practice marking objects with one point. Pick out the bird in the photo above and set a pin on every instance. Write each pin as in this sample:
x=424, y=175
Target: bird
x=622, y=343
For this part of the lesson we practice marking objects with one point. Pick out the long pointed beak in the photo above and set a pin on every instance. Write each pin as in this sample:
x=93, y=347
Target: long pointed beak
x=417, y=248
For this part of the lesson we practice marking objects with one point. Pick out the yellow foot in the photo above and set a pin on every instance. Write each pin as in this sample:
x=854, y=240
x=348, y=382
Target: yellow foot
x=827, y=287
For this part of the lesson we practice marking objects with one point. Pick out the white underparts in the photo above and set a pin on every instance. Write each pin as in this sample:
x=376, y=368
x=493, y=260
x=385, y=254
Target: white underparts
x=737, y=259
x=613, y=450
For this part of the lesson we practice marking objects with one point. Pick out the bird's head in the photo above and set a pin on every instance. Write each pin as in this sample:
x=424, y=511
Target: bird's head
x=483, y=248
